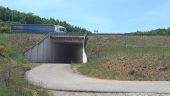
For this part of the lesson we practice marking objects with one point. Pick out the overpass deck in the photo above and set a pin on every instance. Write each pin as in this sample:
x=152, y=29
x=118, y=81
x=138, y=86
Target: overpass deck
x=68, y=37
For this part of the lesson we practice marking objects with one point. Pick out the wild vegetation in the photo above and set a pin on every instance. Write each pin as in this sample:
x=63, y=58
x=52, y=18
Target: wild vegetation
x=13, y=65
x=8, y=16
x=127, y=58
x=153, y=32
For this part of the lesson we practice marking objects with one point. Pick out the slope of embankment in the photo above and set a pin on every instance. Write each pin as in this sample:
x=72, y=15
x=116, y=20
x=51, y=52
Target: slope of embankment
x=13, y=65
x=123, y=57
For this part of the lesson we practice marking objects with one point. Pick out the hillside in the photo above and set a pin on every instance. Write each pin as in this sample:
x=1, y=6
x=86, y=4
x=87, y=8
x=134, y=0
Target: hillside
x=13, y=65
x=8, y=16
x=152, y=32
x=127, y=57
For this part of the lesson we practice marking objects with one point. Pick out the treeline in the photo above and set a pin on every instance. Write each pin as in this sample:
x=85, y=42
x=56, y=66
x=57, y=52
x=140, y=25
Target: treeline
x=8, y=16
x=153, y=32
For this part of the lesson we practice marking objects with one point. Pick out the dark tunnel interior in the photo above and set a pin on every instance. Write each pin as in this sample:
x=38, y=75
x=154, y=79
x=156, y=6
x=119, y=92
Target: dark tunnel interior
x=69, y=53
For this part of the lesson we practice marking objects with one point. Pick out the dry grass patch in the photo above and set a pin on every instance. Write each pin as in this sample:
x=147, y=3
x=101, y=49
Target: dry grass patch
x=128, y=58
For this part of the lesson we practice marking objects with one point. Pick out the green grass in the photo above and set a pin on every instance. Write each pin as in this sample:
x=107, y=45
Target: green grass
x=7, y=92
x=127, y=58
x=13, y=66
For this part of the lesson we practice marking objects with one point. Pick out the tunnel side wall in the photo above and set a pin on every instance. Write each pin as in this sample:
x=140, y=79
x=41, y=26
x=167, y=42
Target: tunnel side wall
x=42, y=52
x=84, y=56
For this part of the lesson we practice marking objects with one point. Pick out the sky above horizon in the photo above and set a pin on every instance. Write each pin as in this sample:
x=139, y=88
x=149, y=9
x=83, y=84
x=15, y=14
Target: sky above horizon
x=106, y=16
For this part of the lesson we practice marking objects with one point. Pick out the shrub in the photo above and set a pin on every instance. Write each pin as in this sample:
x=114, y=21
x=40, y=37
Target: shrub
x=4, y=29
x=2, y=49
x=5, y=74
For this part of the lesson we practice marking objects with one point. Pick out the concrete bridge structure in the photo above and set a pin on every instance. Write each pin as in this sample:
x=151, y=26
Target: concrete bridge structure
x=59, y=48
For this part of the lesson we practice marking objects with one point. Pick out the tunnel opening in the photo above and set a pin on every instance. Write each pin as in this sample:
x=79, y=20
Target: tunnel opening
x=69, y=53
x=58, y=50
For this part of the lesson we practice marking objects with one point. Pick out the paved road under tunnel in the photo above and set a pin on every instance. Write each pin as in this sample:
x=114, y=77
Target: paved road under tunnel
x=60, y=77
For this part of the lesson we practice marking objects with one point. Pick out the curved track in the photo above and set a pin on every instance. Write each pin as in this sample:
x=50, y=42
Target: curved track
x=61, y=77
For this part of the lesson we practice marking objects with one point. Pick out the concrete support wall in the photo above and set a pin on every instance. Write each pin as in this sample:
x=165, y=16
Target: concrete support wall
x=42, y=52
x=84, y=56
x=50, y=51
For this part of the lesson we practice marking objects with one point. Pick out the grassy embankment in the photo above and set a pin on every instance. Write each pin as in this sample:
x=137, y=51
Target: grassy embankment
x=127, y=58
x=13, y=65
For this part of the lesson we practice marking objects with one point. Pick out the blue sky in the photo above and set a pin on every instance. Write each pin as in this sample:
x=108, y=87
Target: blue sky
x=109, y=16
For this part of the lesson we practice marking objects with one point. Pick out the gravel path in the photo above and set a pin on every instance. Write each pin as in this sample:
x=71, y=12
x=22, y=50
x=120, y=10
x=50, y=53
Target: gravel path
x=60, y=77
x=62, y=93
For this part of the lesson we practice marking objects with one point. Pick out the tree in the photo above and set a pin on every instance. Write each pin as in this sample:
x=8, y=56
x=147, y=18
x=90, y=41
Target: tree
x=7, y=14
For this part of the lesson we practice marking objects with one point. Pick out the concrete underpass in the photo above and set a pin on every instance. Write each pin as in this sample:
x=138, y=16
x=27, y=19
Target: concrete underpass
x=59, y=48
